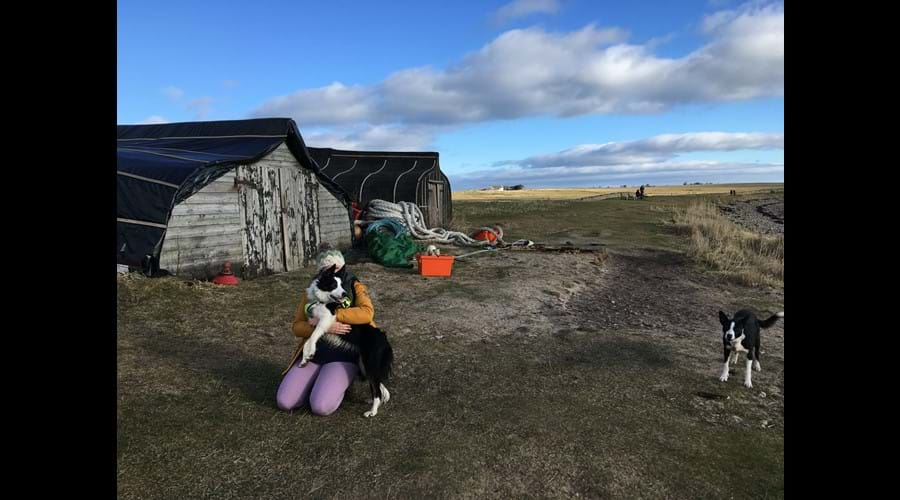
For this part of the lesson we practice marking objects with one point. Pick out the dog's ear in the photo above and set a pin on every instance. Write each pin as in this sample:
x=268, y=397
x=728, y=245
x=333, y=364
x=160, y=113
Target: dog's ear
x=328, y=271
x=723, y=318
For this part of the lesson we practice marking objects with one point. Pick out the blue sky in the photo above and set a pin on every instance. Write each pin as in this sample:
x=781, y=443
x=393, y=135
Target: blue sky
x=540, y=92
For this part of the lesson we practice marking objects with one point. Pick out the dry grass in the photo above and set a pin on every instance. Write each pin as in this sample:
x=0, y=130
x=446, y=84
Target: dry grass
x=750, y=258
x=576, y=193
x=525, y=375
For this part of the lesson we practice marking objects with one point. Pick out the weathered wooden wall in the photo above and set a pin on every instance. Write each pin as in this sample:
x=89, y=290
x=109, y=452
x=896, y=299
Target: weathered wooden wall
x=334, y=220
x=279, y=212
x=204, y=231
x=268, y=217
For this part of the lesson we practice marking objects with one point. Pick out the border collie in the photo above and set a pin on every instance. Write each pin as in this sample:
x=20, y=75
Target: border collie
x=742, y=334
x=376, y=356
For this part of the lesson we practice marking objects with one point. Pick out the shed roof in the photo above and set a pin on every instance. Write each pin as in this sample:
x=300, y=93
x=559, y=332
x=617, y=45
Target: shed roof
x=367, y=175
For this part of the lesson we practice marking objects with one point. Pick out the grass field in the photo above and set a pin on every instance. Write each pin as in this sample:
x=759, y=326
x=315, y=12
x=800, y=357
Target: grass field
x=575, y=193
x=525, y=375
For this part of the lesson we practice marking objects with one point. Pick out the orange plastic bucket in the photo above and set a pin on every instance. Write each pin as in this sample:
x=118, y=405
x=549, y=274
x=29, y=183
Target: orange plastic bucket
x=435, y=265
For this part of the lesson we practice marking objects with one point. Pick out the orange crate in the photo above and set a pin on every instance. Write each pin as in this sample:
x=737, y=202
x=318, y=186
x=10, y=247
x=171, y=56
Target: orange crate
x=435, y=265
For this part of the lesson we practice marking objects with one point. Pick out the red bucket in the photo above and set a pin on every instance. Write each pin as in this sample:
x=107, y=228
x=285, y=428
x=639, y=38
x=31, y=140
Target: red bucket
x=435, y=265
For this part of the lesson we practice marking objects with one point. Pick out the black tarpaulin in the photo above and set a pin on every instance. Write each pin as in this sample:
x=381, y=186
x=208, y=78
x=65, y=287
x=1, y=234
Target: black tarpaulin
x=370, y=175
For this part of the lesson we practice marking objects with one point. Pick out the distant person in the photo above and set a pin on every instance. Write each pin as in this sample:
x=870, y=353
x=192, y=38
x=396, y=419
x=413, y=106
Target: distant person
x=642, y=191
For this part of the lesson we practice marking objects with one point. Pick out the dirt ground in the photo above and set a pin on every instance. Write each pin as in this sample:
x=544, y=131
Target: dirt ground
x=526, y=374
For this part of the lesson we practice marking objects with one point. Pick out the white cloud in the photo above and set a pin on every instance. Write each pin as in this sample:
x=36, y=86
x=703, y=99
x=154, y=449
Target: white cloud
x=373, y=138
x=173, y=93
x=653, y=149
x=334, y=104
x=654, y=172
x=532, y=72
x=201, y=107
x=646, y=160
x=150, y=120
x=523, y=8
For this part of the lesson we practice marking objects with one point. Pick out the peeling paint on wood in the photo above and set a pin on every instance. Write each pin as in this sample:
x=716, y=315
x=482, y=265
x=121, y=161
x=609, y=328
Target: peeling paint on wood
x=267, y=217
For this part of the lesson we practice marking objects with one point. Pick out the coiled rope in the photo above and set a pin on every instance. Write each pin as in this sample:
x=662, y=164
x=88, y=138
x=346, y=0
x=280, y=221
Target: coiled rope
x=411, y=216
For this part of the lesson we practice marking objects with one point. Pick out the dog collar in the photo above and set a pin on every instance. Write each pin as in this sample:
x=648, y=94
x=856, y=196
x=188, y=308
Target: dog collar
x=345, y=303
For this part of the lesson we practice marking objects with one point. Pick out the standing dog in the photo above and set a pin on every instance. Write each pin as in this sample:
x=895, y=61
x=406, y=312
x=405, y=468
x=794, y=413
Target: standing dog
x=742, y=334
x=324, y=296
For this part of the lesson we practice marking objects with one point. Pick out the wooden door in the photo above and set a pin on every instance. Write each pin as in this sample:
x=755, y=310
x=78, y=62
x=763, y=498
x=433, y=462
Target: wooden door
x=435, y=203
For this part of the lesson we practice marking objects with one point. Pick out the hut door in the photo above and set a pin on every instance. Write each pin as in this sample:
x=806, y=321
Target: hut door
x=278, y=213
x=260, y=208
x=435, y=202
x=292, y=216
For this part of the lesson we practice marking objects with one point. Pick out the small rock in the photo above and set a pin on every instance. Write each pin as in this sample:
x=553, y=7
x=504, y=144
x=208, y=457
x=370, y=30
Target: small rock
x=762, y=394
x=737, y=419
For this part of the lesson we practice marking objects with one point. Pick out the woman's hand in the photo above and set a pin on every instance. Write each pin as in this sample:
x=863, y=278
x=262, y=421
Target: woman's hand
x=337, y=327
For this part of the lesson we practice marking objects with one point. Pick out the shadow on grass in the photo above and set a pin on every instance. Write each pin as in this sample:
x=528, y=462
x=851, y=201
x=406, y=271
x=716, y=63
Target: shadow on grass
x=256, y=377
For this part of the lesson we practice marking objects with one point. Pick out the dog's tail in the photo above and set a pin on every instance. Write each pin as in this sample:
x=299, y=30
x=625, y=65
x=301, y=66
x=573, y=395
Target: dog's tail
x=771, y=320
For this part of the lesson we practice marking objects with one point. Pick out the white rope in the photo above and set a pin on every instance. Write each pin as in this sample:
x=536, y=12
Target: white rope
x=411, y=216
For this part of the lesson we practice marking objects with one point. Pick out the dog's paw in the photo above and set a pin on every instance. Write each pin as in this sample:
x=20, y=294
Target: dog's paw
x=370, y=413
x=756, y=366
x=723, y=378
x=748, y=384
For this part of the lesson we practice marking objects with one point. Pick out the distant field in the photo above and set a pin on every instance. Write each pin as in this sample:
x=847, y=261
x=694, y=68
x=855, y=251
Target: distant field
x=575, y=193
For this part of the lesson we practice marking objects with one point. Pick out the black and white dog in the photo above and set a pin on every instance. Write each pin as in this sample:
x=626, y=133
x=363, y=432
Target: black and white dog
x=376, y=356
x=742, y=334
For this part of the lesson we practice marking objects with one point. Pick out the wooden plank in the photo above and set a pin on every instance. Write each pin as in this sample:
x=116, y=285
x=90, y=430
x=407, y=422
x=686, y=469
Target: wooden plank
x=252, y=236
x=187, y=246
x=336, y=212
x=220, y=187
x=272, y=212
x=311, y=235
x=199, y=241
x=177, y=257
x=206, y=208
x=293, y=217
x=183, y=220
x=205, y=197
x=204, y=230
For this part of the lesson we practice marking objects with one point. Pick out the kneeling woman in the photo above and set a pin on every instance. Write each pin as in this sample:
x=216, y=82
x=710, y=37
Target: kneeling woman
x=325, y=379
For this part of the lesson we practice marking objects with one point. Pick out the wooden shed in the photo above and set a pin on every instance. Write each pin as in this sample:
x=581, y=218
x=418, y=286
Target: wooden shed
x=195, y=195
x=392, y=176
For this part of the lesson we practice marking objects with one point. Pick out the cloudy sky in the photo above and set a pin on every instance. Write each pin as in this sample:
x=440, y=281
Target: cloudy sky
x=537, y=92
